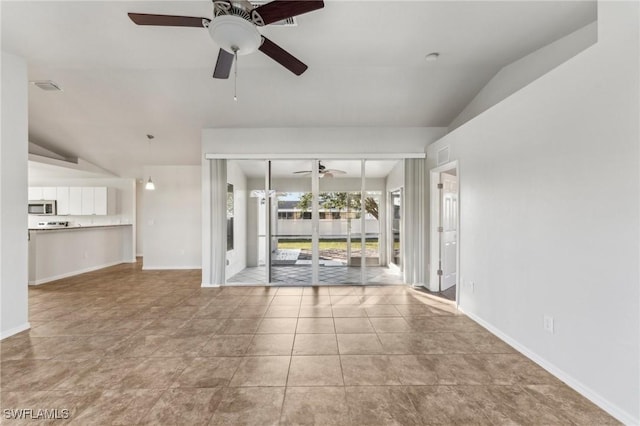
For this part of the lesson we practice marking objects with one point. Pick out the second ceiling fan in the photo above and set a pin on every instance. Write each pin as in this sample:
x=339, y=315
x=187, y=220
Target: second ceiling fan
x=234, y=28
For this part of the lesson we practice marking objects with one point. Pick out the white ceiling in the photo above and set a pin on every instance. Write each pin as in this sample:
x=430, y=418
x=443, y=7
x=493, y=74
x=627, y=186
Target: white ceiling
x=40, y=172
x=366, y=68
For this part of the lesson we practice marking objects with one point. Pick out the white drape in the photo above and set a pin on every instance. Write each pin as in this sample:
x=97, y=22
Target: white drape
x=218, y=221
x=415, y=221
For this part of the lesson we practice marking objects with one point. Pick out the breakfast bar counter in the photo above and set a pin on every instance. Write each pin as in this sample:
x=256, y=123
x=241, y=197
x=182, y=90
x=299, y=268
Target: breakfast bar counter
x=56, y=253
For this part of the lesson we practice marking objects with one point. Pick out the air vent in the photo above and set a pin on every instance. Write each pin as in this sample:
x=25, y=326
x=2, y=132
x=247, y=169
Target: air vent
x=443, y=155
x=47, y=85
x=289, y=22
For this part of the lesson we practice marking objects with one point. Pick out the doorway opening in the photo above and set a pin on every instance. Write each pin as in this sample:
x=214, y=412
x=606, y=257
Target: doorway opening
x=444, y=236
x=314, y=221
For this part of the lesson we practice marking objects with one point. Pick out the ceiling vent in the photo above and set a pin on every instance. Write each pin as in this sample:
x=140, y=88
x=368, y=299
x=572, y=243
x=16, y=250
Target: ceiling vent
x=47, y=85
x=289, y=22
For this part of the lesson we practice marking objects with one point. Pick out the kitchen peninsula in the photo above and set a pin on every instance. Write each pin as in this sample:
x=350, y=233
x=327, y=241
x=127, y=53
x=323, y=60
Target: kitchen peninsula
x=60, y=252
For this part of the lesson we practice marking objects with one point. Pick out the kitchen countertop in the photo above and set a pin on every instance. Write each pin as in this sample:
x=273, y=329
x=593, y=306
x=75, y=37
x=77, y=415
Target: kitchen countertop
x=66, y=228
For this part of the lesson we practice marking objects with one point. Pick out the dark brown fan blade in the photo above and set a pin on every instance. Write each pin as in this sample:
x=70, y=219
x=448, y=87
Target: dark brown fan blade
x=282, y=57
x=223, y=64
x=278, y=10
x=168, y=20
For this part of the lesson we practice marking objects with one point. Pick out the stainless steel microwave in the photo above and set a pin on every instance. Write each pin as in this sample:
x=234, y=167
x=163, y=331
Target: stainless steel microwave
x=42, y=208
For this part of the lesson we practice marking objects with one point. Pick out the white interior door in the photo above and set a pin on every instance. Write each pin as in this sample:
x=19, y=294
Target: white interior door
x=449, y=226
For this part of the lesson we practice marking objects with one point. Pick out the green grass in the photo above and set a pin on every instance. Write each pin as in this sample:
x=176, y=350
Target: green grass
x=325, y=244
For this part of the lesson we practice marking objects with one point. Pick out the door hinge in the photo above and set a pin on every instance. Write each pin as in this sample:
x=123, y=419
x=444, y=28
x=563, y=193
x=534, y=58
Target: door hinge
x=440, y=229
x=440, y=273
x=440, y=186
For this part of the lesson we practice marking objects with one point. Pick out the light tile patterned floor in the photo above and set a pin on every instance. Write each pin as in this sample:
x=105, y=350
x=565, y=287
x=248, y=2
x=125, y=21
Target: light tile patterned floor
x=125, y=346
x=333, y=275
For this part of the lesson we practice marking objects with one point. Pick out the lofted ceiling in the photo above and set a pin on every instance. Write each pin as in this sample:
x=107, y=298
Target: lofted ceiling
x=366, y=63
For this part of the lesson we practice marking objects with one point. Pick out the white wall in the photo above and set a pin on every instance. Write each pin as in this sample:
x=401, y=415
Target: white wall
x=172, y=218
x=237, y=257
x=13, y=197
x=339, y=140
x=139, y=218
x=518, y=74
x=549, y=199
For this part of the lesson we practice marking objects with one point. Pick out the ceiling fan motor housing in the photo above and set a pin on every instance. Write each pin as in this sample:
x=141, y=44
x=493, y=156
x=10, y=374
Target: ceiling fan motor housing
x=233, y=33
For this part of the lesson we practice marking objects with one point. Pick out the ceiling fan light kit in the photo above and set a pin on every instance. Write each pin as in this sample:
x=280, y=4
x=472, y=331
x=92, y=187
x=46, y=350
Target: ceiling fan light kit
x=234, y=34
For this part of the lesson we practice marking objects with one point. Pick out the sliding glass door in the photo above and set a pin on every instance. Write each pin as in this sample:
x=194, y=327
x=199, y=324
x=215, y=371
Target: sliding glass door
x=309, y=222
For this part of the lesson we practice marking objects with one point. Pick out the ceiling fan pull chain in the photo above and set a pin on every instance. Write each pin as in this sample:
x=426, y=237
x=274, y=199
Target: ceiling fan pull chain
x=235, y=74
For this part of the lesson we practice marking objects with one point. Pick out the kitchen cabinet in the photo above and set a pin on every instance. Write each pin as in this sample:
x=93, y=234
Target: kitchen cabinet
x=78, y=200
x=42, y=193
x=87, y=201
x=75, y=201
x=100, y=200
x=35, y=193
x=49, y=193
x=62, y=200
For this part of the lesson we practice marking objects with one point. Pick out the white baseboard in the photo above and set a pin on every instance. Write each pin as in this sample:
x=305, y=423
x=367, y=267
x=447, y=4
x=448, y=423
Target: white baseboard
x=209, y=285
x=15, y=330
x=593, y=396
x=166, y=267
x=72, y=273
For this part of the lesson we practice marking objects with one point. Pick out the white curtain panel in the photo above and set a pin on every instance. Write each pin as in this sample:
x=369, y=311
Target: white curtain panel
x=415, y=221
x=218, y=221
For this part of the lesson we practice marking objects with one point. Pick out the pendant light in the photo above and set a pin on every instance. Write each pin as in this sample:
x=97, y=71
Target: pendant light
x=150, y=186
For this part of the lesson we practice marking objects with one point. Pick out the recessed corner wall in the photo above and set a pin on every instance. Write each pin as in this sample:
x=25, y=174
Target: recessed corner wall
x=549, y=216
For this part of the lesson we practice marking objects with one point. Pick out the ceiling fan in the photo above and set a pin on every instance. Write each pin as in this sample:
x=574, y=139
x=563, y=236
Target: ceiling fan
x=234, y=28
x=322, y=170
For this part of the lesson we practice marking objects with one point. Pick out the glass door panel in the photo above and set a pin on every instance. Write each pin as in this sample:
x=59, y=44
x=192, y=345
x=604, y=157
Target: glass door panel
x=339, y=228
x=291, y=222
x=382, y=209
x=396, y=224
x=246, y=210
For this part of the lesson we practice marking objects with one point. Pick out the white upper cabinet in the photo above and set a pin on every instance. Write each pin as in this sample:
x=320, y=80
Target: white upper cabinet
x=49, y=193
x=78, y=200
x=35, y=193
x=100, y=202
x=62, y=200
x=87, y=201
x=75, y=201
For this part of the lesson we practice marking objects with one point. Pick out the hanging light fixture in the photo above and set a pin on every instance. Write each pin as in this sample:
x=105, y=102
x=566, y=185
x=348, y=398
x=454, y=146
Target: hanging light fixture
x=150, y=186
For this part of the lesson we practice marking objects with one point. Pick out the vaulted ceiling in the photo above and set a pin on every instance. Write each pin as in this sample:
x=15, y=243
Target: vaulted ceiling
x=366, y=63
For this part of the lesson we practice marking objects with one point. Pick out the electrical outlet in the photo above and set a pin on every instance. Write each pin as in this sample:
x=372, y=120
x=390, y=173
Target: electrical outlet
x=548, y=324
x=472, y=286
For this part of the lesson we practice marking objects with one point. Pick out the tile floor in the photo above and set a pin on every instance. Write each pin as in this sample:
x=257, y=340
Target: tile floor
x=327, y=274
x=125, y=346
